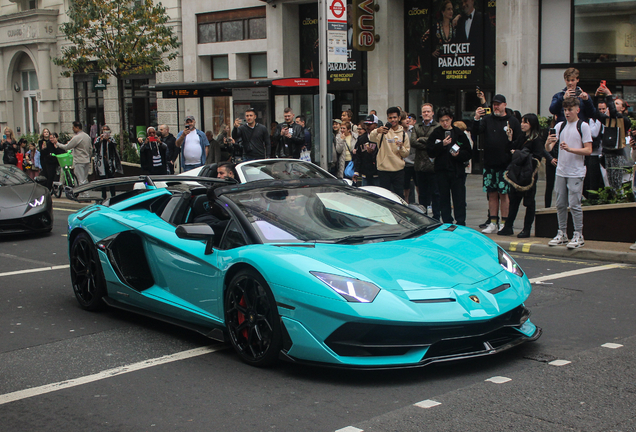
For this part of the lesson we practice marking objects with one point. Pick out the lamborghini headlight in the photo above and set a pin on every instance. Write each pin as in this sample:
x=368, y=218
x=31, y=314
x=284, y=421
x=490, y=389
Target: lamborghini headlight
x=509, y=264
x=353, y=290
x=37, y=202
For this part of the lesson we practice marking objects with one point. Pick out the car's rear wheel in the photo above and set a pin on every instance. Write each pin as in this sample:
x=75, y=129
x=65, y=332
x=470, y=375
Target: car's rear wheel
x=87, y=277
x=252, y=319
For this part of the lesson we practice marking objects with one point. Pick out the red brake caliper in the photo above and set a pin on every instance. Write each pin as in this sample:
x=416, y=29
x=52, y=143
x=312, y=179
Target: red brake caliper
x=241, y=318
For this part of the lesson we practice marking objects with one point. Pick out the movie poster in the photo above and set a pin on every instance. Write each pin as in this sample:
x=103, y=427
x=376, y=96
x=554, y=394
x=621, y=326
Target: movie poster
x=452, y=42
x=341, y=76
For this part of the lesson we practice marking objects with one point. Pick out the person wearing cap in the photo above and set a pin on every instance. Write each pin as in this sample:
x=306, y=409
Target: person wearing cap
x=193, y=144
x=497, y=144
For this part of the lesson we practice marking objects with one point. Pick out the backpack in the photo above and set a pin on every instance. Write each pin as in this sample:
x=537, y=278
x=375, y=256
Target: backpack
x=521, y=173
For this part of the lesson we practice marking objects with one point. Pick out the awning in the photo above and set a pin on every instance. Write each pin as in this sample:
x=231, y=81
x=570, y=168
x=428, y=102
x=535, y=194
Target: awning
x=173, y=90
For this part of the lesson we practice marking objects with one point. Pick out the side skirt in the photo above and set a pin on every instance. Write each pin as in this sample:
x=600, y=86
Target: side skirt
x=216, y=334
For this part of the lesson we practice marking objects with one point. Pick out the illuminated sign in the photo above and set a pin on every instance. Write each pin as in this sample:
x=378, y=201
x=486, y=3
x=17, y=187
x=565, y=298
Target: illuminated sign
x=364, y=25
x=180, y=93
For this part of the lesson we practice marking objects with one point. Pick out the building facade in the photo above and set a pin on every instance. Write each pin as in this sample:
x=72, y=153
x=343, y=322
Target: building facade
x=34, y=95
x=426, y=52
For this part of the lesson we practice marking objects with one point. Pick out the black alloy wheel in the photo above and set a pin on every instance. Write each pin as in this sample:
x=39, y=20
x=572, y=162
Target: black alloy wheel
x=87, y=277
x=252, y=319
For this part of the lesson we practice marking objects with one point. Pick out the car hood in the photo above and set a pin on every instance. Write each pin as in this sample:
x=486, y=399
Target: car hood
x=16, y=196
x=440, y=259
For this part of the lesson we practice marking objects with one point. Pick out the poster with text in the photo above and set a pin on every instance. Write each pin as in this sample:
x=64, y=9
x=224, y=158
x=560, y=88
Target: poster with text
x=452, y=42
x=342, y=76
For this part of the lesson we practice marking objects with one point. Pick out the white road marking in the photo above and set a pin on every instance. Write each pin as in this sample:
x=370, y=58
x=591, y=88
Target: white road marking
x=48, y=388
x=611, y=345
x=577, y=272
x=350, y=429
x=559, y=362
x=428, y=403
x=499, y=379
x=35, y=270
x=68, y=210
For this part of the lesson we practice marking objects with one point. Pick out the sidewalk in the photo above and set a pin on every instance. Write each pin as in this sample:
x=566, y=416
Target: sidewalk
x=476, y=214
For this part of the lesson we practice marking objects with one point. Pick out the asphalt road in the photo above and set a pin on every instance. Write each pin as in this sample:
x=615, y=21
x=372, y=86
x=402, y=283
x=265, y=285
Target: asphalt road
x=62, y=368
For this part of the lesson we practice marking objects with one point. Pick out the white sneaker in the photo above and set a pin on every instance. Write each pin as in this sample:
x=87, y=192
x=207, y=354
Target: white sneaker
x=501, y=226
x=560, y=239
x=577, y=241
x=490, y=229
x=633, y=247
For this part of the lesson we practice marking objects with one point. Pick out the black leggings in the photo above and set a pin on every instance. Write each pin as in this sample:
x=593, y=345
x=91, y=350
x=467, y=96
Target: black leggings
x=528, y=198
x=550, y=176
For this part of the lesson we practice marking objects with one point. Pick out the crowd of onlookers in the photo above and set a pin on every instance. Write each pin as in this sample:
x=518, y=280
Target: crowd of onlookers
x=586, y=148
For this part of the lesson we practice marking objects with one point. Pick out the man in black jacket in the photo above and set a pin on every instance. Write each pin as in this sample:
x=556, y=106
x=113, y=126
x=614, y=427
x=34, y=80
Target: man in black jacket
x=169, y=140
x=496, y=145
x=289, y=138
x=451, y=149
x=424, y=168
x=253, y=136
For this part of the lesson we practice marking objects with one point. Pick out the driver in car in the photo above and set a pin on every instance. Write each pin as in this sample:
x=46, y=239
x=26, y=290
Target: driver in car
x=225, y=171
x=215, y=216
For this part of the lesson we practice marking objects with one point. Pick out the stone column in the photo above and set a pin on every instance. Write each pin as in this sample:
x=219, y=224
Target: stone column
x=48, y=116
x=385, y=64
x=518, y=48
x=4, y=94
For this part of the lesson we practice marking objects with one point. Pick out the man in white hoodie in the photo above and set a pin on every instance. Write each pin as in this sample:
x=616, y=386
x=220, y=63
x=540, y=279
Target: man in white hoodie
x=393, y=147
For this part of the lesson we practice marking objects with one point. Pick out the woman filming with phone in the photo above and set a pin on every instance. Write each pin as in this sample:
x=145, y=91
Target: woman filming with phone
x=529, y=145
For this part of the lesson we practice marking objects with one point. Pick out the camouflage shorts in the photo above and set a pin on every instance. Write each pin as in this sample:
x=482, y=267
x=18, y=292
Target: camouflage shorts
x=494, y=181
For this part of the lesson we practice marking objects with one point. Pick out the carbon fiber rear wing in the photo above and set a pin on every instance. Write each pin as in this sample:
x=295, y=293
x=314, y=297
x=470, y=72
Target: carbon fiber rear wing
x=148, y=180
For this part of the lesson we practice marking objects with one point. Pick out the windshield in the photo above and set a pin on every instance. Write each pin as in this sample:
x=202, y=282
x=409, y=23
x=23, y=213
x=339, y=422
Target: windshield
x=326, y=213
x=281, y=170
x=12, y=176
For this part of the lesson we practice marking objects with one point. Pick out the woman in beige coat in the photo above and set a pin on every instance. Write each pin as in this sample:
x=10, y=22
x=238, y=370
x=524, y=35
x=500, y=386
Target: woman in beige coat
x=345, y=147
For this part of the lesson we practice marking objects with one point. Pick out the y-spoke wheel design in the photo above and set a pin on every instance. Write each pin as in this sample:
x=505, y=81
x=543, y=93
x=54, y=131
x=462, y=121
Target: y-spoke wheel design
x=86, y=273
x=252, y=319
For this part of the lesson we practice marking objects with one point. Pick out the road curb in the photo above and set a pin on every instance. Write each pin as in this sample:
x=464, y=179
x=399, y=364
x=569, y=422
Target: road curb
x=534, y=248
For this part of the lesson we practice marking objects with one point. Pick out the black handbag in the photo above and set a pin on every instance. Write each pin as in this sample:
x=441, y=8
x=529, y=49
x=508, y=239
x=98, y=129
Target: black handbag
x=610, y=138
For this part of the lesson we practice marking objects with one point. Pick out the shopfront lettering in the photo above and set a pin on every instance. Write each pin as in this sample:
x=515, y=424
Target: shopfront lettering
x=460, y=61
x=309, y=21
x=460, y=48
x=14, y=33
x=418, y=12
x=23, y=32
x=351, y=65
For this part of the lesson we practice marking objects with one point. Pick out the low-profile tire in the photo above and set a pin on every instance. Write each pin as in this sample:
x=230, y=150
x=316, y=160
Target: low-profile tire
x=252, y=319
x=87, y=276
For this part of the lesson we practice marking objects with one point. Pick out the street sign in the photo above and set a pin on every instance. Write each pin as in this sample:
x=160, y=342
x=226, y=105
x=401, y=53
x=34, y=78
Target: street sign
x=99, y=83
x=296, y=82
x=337, y=51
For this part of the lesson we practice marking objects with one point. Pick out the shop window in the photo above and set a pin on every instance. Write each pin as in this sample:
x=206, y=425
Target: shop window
x=237, y=24
x=258, y=65
x=604, y=31
x=220, y=68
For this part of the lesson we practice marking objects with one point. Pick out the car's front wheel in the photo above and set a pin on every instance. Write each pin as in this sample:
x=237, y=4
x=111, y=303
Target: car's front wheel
x=252, y=319
x=87, y=277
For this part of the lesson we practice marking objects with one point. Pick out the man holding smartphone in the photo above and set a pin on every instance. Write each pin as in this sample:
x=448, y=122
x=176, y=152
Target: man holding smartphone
x=451, y=149
x=393, y=146
x=572, y=90
x=253, y=136
x=194, y=145
x=288, y=138
x=573, y=147
x=107, y=161
x=497, y=144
